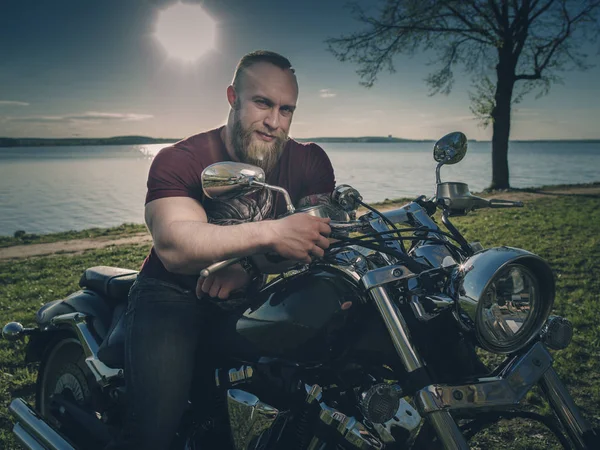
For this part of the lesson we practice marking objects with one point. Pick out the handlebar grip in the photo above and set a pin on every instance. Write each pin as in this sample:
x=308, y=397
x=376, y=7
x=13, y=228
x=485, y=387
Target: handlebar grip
x=218, y=266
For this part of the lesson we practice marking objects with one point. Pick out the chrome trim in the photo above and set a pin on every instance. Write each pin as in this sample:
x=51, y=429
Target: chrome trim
x=407, y=418
x=471, y=279
x=313, y=393
x=557, y=333
x=13, y=331
x=563, y=405
x=451, y=148
x=33, y=426
x=226, y=180
x=435, y=303
x=78, y=322
x=397, y=329
x=25, y=439
x=380, y=226
x=447, y=431
x=388, y=274
x=250, y=419
x=506, y=389
x=351, y=429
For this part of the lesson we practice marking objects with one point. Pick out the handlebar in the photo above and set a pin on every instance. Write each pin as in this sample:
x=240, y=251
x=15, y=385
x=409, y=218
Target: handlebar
x=218, y=266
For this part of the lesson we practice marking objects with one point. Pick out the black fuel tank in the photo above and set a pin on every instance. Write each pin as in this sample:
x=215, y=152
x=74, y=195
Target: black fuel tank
x=301, y=317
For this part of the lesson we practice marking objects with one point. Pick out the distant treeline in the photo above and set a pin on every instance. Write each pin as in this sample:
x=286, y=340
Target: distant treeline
x=366, y=139
x=139, y=140
x=118, y=140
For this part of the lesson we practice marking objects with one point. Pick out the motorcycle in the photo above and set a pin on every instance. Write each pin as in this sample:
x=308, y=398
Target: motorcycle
x=374, y=346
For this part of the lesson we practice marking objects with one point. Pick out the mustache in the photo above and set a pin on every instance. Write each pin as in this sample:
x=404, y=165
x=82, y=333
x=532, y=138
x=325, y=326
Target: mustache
x=278, y=134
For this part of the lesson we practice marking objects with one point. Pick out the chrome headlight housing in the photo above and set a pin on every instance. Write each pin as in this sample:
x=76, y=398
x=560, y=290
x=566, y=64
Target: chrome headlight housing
x=504, y=295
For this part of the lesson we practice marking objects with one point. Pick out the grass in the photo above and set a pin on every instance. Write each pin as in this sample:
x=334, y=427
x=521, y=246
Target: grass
x=20, y=237
x=563, y=230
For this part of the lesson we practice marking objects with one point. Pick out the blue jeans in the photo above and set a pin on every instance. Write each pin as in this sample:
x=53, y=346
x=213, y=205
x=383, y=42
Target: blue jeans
x=165, y=325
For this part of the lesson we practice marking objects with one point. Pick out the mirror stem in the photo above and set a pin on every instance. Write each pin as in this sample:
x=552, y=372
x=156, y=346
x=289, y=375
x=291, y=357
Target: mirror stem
x=438, y=178
x=286, y=196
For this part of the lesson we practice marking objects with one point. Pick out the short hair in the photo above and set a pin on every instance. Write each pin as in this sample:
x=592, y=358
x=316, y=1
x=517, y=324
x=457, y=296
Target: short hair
x=259, y=56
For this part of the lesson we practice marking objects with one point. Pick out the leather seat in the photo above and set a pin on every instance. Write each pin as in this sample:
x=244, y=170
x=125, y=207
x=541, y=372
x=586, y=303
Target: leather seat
x=113, y=283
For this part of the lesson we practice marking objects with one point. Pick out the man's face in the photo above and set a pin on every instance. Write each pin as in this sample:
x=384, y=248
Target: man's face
x=263, y=110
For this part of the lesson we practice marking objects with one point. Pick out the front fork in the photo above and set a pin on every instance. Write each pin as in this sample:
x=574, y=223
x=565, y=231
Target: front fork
x=440, y=418
x=562, y=403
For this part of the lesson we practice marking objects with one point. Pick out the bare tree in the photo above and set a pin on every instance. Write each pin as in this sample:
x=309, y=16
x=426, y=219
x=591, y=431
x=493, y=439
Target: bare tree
x=510, y=48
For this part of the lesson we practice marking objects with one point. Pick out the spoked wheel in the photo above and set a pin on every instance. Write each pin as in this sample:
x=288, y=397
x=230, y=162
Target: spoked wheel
x=63, y=371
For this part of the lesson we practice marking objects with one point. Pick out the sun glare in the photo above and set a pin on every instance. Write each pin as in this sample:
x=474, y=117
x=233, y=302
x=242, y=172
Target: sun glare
x=185, y=31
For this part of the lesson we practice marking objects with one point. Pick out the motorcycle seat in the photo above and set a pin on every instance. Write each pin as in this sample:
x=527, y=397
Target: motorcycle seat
x=113, y=283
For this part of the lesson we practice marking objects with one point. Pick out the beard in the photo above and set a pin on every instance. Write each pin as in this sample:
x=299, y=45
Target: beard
x=249, y=150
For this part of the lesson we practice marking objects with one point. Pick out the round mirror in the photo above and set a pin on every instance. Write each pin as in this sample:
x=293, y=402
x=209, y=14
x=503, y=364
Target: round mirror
x=450, y=149
x=227, y=180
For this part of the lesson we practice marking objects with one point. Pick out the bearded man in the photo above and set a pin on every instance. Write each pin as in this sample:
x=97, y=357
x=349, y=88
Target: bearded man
x=170, y=307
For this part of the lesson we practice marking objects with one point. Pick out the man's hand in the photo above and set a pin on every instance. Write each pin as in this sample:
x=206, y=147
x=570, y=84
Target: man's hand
x=300, y=237
x=223, y=282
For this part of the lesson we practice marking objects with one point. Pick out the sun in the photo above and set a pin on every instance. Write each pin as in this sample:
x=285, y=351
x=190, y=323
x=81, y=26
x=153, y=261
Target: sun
x=185, y=31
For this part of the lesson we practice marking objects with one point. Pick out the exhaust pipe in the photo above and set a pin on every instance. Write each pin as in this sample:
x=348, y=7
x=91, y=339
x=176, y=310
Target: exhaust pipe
x=33, y=432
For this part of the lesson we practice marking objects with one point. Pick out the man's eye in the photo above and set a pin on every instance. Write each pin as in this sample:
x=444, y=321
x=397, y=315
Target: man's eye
x=286, y=112
x=261, y=103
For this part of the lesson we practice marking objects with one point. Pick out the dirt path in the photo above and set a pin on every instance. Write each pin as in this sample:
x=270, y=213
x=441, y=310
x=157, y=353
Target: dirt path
x=75, y=246
x=72, y=246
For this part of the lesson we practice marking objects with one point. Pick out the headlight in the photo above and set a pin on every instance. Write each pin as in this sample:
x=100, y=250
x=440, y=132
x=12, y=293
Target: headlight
x=504, y=295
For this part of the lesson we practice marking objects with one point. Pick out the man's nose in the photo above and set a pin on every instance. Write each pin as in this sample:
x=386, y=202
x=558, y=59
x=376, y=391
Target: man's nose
x=272, y=119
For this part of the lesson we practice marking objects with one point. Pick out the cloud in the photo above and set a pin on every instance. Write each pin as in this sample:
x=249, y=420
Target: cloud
x=12, y=103
x=90, y=116
x=326, y=93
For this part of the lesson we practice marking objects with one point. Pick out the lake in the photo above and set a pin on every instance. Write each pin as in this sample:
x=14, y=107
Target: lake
x=49, y=189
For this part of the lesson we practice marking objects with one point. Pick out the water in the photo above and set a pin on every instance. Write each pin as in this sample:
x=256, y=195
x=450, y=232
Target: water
x=49, y=189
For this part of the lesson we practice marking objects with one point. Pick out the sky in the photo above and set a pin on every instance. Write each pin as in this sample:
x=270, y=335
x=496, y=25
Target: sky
x=74, y=68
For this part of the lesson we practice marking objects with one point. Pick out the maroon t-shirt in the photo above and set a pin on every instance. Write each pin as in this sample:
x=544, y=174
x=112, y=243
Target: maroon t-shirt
x=303, y=169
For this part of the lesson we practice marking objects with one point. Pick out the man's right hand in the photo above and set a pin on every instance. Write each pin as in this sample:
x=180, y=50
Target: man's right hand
x=300, y=237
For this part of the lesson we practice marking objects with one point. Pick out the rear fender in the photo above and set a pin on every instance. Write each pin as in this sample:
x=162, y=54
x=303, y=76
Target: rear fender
x=40, y=340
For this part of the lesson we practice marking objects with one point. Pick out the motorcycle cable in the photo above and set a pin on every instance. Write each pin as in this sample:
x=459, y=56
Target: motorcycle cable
x=411, y=264
x=382, y=216
x=367, y=238
x=408, y=230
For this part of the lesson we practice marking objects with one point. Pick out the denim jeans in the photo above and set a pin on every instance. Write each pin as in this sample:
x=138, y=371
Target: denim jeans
x=165, y=324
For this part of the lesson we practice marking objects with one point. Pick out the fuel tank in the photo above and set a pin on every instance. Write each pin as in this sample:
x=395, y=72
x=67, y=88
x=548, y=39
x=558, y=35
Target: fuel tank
x=304, y=317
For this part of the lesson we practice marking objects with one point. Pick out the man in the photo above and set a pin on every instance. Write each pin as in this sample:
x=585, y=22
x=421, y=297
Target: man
x=166, y=313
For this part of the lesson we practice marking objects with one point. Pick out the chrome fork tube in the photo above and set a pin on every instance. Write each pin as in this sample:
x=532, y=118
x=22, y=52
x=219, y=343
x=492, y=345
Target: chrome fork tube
x=442, y=421
x=397, y=329
x=564, y=407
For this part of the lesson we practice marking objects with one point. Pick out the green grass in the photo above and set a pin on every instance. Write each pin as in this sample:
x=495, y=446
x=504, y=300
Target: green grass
x=20, y=237
x=563, y=230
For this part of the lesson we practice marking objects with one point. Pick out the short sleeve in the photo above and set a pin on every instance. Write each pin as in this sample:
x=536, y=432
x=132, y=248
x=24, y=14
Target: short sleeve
x=319, y=172
x=174, y=172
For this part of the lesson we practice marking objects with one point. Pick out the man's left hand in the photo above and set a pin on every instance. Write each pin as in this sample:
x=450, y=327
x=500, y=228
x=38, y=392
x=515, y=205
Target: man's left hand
x=222, y=283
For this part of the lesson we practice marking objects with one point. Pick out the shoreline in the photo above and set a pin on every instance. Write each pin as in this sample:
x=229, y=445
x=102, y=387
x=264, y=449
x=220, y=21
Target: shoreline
x=77, y=242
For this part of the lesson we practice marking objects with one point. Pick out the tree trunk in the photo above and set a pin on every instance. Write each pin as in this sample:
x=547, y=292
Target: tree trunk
x=501, y=125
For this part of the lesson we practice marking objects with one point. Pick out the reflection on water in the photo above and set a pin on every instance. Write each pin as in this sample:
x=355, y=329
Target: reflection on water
x=47, y=189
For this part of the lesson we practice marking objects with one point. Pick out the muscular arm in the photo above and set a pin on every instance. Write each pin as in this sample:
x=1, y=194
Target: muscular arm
x=186, y=243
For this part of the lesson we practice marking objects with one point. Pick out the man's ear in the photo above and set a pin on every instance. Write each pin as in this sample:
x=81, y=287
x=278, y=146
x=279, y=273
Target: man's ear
x=231, y=96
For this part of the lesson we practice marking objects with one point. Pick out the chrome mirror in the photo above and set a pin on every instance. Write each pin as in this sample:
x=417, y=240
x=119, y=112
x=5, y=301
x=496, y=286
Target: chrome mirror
x=227, y=180
x=450, y=149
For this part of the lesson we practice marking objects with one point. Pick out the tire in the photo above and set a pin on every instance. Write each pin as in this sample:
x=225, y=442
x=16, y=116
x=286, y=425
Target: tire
x=63, y=371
